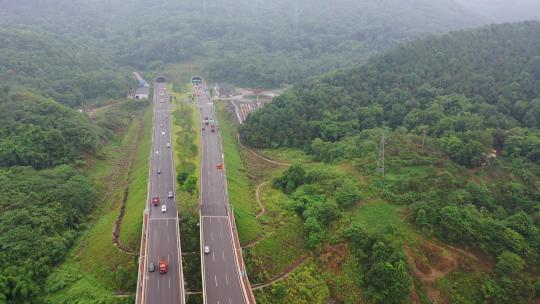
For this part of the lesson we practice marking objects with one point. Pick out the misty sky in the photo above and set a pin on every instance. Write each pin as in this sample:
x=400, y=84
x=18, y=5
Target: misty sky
x=504, y=10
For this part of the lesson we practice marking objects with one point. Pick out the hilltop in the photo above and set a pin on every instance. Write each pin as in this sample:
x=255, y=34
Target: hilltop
x=257, y=43
x=461, y=82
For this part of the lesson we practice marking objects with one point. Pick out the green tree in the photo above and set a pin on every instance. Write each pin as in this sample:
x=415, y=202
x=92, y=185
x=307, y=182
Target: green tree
x=509, y=264
x=181, y=177
x=347, y=194
x=190, y=184
x=422, y=218
x=291, y=179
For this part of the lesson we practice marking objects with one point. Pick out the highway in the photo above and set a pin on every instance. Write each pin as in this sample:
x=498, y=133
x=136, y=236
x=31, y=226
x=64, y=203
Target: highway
x=221, y=275
x=163, y=236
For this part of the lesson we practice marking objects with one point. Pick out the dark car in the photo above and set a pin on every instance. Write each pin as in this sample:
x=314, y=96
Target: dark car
x=151, y=267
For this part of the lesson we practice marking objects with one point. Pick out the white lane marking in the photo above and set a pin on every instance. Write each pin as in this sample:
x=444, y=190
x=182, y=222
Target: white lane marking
x=223, y=255
x=168, y=239
x=169, y=283
x=220, y=235
x=163, y=219
x=158, y=284
x=227, y=279
x=212, y=236
x=230, y=301
x=215, y=279
x=213, y=257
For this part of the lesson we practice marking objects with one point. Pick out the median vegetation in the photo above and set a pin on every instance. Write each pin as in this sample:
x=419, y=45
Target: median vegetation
x=186, y=144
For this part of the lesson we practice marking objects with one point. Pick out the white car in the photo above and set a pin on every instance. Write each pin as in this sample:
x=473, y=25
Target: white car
x=168, y=145
x=206, y=249
x=158, y=171
x=170, y=194
x=161, y=125
x=163, y=208
x=163, y=133
x=157, y=152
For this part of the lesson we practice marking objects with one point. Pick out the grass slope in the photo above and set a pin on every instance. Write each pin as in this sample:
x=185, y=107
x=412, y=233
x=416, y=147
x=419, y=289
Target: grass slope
x=96, y=269
x=241, y=190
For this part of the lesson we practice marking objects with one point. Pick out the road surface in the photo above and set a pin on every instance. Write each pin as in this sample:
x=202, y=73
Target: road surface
x=221, y=275
x=163, y=236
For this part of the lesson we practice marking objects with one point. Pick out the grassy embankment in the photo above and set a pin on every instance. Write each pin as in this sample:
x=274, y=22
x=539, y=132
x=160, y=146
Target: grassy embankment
x=240, y=181
x=274, y=240
x=97, y=270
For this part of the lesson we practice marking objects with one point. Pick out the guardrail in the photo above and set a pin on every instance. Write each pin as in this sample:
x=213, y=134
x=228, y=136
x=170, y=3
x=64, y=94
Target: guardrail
x=246, y=286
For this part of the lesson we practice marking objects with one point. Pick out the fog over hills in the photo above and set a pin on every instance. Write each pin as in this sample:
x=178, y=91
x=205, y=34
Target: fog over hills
x=504, y=10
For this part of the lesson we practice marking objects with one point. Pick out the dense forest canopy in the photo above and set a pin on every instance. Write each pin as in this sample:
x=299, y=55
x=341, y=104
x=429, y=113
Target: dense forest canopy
x=44, y=143
x=42, y=133
x=454, y=85
x=68, y=71
x=41, y=213
x=258, y=43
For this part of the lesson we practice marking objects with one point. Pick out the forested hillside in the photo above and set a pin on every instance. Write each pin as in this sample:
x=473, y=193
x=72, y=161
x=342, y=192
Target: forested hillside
x=460, y=116
x=42, y=133
x=41, y=217
x=65, y=70
x=451, y=87
x=44, y=148
x=43, y=209
x=257, y=43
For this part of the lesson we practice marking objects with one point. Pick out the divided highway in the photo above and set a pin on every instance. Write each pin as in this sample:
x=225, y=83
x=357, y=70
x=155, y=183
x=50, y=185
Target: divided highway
x=222, y=277
x=161, y=234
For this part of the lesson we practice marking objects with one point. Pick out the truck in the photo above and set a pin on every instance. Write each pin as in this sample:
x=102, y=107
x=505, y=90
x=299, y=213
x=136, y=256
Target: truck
x=163, y=265
x=155, y=201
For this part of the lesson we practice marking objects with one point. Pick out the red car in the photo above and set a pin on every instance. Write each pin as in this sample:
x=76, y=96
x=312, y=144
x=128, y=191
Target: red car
x=163, y=265
x=155, y=201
